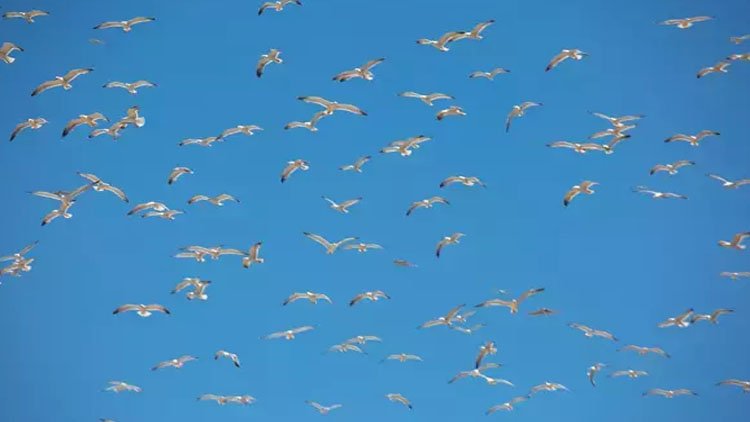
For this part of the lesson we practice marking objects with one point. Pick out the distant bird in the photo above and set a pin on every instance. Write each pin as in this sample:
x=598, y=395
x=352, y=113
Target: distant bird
x=591, y=333
x=253, y=256
x=680, y=321
x=473, y=373
x=453, y=239
x=513, y=304
x=311, y=297
x=277, y=6
x=620, y=120
x=288, y=334
x=630, y=373
x=247, y=130
x=735, y=57
x=271, y=57
x=6, y=49
x=404, y=147
x=574, y=54
x=468, y=330
x=441, y=44
x=332, y=106
x=133, y=117
x=120, y=386
x=143, y=311
x=362, y=247
x=323, y=410
x=89, y=120
x=357, y=165
x=363, y=339
x=98, y=185
x=292, y=166
x=346, y=347
x=713, y=317
x=203, y=142
x=178, y=172
x=543, y=311
x=363, y=71
x=113, y=131
x=487, y=349
x=199, y=288
x=609, y=147
x=20, y=254
x=735, y=275
x=720, y=67
x=223, y=400
x=131, y=87
x=174, y=363
x=736, y=242
x=217, y=200
x=476, y=31
x=228, y=355
x=61, y=211
x=310, y=124
x=518, y=111
x=593, y=370
x=373, y=296
x=744, y=385
x=584, y=187
x=581, y=148
x=643, y=351
x=403, y=357
x=739, y=39
x=404, y=263
x=214, y=252
x=446, y=320
x=61, y=81
x=450, y=111
x=464, y=180
x=671, y=168
x=728, y=183
x=616, y=131
x=34, y=124
x=685, y=23
x=96, y=41
x=692, y=139
x=426, y=203
x=151, y=205
x=330, y=247
x=27, y=16
x=426, y=98
x=127, y=25
x=670, y=393
x=548, y=386
x=166, y=215
x=344, y=206
x=398, y=398
x=507, y=406
x=488, y=75
x=658, y=195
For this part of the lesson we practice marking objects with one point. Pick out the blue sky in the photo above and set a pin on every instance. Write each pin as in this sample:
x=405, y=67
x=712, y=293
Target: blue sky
x=614, y=260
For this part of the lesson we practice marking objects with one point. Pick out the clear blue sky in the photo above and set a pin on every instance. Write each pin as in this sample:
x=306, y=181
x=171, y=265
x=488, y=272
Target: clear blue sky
x=614, y=260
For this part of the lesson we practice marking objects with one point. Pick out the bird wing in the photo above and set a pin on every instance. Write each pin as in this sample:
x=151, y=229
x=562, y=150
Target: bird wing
x=319, y=239
x=372, y=63
x=46, y=85
x=76, y=73
x=140, y=19
x=556, y=60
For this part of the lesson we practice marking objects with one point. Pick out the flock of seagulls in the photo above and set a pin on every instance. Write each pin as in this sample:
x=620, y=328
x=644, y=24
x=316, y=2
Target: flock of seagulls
x=456, y=319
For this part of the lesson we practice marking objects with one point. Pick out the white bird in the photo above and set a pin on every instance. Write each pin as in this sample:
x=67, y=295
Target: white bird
x=247, y=130
x=227, y=355
x=692, y=139
x=271, y=57
x=580, y=148
x=34, y=124
x=508, y=406
x=332, y=106
x=143, y=311
x=357, y=165
x=330, y=247
x=217, y=200
x=363, y=339
x=574, y=54
x=363, y=72
x=61, y=211
x=61, y=81
x=670, y=393
x=426, y=98
x=132, y=117
x=513, y=304
x=593, y=370
x=671, y=168
x=584, y=187
x=630, y=373
x=488, y=75
x=728, y=183
x=618, y=121
x=113, y=131
x=20, y=254
x=617, y=132
x=453, y=239
x=66, y=199
x=685, y=23
x=277, y=6
x=152, y=205
x=398, y=398
x=643, y=351
x=405, y=147
x=253, y=256
x=487, y=349
x=131, y=87
x=166, y=215
x=344, y=206
x=310, y=124
x=215, y=252
x=292, y=166
x=450, y=111
x=476, y=31
x=426, y=203
x=6, y=49
x=174, y=363
x=713, y=317
x=591, y=333
x=658, y=195
x=741, y=56
x=346, y=347
x=199, y=288
x=176, y=173
x=403, y=357
x=468, y=330
x=373, y=296
x=680, y=321
x=548, y=386
x=120, y=386
x=744, y=385
x=222, y=400
x=473, y=373
x=99, y=185
x=739, y=39
x=442, y=43
x=288, y=334
x=518, y=111
x=464, y=180
x=446, y=320
x=362, y=247
x=203, y=142
x=609, y=147
x=735, y=275
x=127, y=25
x=89, y=120
x=323, y=410
x=720, y=67
x=311, y=297
x=27, y=16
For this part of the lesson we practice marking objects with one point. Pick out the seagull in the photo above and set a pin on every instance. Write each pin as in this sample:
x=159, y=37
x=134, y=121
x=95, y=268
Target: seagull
x=404, y=263
x=216, y=252
x=28, y=124
x=277, y=6
x=584, y=187
x=620, y=120
x=473, y=373
x=101, y=186
x=17, y=267
x=512, y=305
x=590, y=332
x=222, y=400
x=518, y=111
x=448, y=240
x=548, y=386
x=468, y=330
x=6, y=49
x=398, y=398
x=359, y=72
x=743, y=56
x=426, y=203
x=488, y=75
x=63, y=81
x=658, y=195
x=681, y=321
x=142, y=310
x=609, y=147
x=363, y=339
x=508, y=406
x=593, y=370
x=685, y=23
x=330, y=247
x=127, y=25
x=67, y=199
x=713, y=317
x=345, y=347
x=446, y=320
x=442, y=43
x=252, y=256
x=463, y=318
x=403, y=357
x=292, y=166
x=371, y=296
x=643, y=351
x=271, y=57
x=542, y=311
x=344, y=206
x=89, y=120
x=739, y=39
x=692, y=139
x=310, y=124
x=670, y=393
x=152, y=205
x=247, y=130
x=176, y=173
x=27, y=16
x=362, y=247
x=426, y=98
x=404, y=147
x=323, y=410
x=174, y=363
x=630, y=373
x=61, y=211
x=197, y=255
x=20, y=254
x=735, y=275
x=671, y=168
x=357, y=165
x=332, y=106
x=288, y=334
x=231, y=356
x=475, y=33
x=199, y=288
x=131, y=87
x=574, y=54
x=616, y=132
x=736, y=242
x=96, y=41
x=464, y=180
x=744, y=385
x=132, y=117
x=113, y=131
x=120, y=386
x=720, y=67
x=580, y=148
x=312, y=297
x=488, y=348
x=203, y=142
x=217, y=200
x=730, y=184
x=450, y=111
x=496, y=381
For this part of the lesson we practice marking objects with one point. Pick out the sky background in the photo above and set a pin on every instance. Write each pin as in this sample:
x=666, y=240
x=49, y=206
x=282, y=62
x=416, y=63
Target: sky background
x=614, y=260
